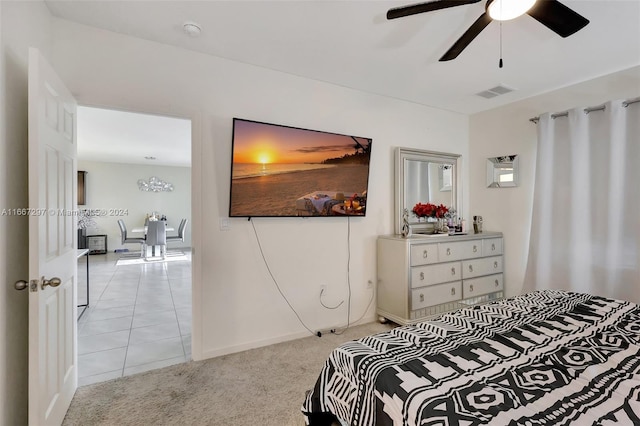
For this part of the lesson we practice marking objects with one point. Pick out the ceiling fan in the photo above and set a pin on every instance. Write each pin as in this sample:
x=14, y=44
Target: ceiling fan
x=550, y=13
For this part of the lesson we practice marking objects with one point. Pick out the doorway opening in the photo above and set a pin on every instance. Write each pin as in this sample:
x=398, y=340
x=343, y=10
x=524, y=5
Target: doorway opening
x=137, y=168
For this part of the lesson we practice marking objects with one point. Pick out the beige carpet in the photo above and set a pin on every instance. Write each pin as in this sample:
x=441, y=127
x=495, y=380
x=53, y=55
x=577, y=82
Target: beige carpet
x=264, y=386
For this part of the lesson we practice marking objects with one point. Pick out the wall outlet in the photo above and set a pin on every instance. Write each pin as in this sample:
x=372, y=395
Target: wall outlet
x=370, y=284
x=225, y=225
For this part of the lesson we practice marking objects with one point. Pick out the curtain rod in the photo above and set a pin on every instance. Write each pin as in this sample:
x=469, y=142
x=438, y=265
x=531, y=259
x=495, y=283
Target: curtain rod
x=587, y=110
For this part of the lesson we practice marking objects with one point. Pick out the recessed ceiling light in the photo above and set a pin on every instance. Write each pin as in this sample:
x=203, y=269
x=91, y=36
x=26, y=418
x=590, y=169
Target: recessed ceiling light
x=149, y=157
x=191, y=29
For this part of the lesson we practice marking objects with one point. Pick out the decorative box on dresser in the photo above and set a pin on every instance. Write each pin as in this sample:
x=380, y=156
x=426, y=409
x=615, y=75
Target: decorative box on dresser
x=425, y=275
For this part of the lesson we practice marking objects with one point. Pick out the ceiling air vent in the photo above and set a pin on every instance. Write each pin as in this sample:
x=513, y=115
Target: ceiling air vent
x=494, y=91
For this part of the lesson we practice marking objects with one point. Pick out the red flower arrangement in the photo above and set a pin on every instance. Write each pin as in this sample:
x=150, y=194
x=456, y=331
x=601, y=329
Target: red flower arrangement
x=430, y=210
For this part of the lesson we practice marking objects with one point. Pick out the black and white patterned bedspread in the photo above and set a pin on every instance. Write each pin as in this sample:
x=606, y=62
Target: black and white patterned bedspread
x=543, y=358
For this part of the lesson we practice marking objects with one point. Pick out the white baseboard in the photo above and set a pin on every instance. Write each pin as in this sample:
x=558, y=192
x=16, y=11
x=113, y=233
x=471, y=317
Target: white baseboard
x=253, y=345
x=274, y=340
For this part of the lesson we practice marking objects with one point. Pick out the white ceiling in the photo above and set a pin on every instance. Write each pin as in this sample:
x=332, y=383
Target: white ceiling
x=125, y=137
x=350, y=43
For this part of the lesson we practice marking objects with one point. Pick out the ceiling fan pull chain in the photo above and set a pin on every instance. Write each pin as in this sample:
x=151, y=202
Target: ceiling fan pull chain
x=500, y=62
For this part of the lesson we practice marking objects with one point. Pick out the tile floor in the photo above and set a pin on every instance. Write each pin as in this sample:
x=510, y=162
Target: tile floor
x=139, y=317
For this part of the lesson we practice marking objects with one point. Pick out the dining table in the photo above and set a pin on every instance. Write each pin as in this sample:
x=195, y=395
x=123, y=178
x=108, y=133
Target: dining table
x=143, y=230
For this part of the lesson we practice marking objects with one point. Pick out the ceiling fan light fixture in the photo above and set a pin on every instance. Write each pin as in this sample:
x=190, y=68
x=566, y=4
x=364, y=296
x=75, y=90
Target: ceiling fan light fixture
x=503, y=10
x=554, y=15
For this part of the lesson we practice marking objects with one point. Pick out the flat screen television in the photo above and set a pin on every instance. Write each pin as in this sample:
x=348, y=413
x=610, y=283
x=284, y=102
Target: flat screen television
x=282, y=171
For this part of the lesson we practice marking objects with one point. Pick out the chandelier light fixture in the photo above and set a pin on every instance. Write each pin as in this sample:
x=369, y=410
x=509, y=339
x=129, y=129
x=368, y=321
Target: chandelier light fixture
x=154, y=185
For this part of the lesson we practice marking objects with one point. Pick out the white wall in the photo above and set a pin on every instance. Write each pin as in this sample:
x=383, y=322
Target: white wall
x=240, y=305
x=113, y=186
x=22, y=24
x=506, y=131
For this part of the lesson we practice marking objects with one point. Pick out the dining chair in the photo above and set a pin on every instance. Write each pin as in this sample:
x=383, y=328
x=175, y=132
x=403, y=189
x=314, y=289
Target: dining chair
x=181, y=231
x=157, y=236
x=126, y=240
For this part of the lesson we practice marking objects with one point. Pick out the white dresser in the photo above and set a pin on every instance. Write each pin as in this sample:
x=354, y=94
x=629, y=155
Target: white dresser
x=425, y=275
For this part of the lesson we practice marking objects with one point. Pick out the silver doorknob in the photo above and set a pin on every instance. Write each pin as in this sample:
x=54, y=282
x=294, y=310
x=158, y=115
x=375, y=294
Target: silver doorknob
x=53, y=282
x=21, y=285
x=33, y=284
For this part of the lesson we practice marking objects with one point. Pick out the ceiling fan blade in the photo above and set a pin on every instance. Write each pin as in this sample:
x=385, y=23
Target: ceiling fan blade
x=414, y=9
x=557, y=17
x=473, y=31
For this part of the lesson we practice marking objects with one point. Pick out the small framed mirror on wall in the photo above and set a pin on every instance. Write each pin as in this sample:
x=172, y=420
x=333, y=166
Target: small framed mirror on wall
x=503, y=172
x=425, y=177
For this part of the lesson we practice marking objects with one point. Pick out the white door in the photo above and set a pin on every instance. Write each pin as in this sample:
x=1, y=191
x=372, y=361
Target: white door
x=53, y=372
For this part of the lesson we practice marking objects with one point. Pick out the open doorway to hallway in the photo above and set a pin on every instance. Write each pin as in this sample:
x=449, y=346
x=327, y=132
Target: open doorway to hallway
x=139, y=311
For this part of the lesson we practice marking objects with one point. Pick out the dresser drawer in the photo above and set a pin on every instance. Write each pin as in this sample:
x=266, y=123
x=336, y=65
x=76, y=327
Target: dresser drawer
x=435, y=274
x=492, y=246
x=479, y=267
x=483, y=285
x=424, y=254
x=459, y=250
x=435, y=295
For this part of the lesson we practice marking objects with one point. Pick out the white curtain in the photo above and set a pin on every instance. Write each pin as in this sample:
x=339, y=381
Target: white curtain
x=585, y=231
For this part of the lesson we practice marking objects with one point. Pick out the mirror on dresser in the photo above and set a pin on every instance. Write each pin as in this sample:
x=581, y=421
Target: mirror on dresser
x=425, y=176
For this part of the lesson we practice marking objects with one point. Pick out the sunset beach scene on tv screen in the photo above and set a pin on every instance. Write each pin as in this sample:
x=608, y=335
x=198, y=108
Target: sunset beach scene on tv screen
x=286, y=171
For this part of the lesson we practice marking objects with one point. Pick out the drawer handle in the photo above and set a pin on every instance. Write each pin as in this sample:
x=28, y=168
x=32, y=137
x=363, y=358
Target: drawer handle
x=448, y=252
x=497, y=284
x=421, y=297
x=453, y=270
x=453, y=291
x=475, y=249
x=470, y=268
x=471, y=288
x=424, y=254
x=422, y=275
x=493, y=247
x=495, y=264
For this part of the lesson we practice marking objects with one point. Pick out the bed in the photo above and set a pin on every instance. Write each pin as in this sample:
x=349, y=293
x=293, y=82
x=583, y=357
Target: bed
x=548, y=357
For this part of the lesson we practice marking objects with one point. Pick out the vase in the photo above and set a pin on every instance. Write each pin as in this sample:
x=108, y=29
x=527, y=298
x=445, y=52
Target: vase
x=82, y=238
x=406, y=228
x=439, y=226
